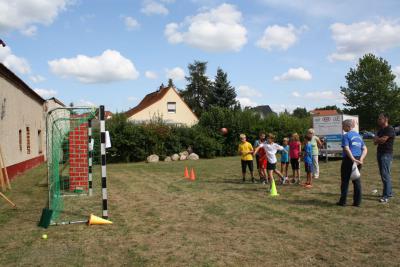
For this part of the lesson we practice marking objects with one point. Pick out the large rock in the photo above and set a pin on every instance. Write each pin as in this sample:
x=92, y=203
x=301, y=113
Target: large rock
x=193, y=156
x=184, y=153
x=175, y=157
x=167, y=159
x=182, y=157
x=153, y=158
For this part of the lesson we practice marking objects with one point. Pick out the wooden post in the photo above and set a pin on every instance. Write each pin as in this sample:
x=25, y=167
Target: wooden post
x=3, y=165
x=9, y=201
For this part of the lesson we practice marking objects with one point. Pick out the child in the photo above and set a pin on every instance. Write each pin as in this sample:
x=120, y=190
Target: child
x=261, y=158
x=245, y=150
x=295, y=149
x=308, y=161
x=285, y=159
x=271, y=148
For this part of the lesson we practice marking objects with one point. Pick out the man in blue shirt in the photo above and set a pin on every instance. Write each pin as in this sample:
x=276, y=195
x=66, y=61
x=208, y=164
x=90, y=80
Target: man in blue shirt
x=354, y=151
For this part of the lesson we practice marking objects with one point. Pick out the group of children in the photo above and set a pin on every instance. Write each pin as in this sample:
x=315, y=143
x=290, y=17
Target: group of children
x=265, y=150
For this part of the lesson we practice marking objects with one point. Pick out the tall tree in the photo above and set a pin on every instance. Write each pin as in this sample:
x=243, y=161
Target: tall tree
x=331, y=107
x=371, y=89
x=222, y=94
x=301, y=113
x=171, y=83
x=198, y=87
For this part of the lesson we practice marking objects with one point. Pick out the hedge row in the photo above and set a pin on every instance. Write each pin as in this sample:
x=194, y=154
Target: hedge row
x=134, y=142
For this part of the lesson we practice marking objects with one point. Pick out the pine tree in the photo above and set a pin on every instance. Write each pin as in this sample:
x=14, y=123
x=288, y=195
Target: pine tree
x=171, y=83
x=198, y=87
x=222, y=94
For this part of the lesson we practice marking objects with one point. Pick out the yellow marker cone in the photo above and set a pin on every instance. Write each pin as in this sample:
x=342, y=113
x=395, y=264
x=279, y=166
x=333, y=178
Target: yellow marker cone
x=273, y=192
x=94, y=220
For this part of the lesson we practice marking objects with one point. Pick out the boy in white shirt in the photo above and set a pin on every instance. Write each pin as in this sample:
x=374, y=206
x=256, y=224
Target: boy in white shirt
x=271, y=149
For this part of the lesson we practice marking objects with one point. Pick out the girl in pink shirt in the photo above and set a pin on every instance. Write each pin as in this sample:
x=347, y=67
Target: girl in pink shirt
x=294, y=153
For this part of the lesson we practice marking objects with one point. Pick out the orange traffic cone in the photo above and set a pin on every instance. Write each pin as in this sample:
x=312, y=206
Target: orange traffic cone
x=192, y=175
x=94, y=220
x=186, y=173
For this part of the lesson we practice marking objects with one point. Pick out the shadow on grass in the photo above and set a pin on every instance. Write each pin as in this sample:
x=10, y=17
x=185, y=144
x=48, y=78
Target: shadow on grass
x=310, y=202
x=255, y=189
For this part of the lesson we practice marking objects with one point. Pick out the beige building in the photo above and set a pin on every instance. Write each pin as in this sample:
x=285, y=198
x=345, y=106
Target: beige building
x=22, y=124
x=165, y=103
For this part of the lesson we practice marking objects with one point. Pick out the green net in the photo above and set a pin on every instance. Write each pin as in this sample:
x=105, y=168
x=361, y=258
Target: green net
x=67, y=154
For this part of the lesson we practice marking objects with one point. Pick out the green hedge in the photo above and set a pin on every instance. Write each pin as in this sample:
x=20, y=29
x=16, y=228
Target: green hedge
x=134, y=142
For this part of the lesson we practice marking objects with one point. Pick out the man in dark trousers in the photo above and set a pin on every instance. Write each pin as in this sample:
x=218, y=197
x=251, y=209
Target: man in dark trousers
x=384, y=140
x=354, y=151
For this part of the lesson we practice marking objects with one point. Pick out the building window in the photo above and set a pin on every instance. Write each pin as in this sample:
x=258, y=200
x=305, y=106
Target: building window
x=28, y=141
x=171, y=106
x=20, y=140
x=39, y=133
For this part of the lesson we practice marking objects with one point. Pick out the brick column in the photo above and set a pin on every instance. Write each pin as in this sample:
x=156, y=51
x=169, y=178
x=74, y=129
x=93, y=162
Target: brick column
x=78, y=157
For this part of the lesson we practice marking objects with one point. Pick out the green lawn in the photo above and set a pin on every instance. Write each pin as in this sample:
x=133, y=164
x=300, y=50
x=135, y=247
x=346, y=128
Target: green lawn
x=161, y=219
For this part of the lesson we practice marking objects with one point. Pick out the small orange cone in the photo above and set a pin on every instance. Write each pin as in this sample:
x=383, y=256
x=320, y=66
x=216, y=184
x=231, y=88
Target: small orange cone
x=186, y=174
x=192, y=175
x=94, y=220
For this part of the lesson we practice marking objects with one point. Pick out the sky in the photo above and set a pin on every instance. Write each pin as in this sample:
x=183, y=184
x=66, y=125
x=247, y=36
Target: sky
x=281, y=53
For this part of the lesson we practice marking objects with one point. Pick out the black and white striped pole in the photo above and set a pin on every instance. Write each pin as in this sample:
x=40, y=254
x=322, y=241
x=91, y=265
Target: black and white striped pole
x=103, y=162
x=90, y=178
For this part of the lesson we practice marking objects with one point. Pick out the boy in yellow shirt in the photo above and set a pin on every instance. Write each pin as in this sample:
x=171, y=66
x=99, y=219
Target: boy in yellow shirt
x=245, y=150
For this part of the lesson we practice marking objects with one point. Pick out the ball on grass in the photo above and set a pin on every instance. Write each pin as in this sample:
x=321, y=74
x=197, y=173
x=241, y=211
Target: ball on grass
x=44, y=236
x=224, y=131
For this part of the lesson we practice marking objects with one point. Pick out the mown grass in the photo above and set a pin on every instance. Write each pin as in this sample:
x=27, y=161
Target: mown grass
x=161, y=219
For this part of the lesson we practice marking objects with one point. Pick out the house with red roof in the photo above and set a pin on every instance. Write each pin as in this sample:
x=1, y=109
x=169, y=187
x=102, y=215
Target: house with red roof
x=165, y=103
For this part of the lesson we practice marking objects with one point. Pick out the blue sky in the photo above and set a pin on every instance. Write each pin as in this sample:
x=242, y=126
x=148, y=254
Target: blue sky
x=277, y=52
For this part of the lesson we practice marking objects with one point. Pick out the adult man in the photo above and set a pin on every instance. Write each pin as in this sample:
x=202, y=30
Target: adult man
x=315, y=143
x=384, y=140
x=354, y=151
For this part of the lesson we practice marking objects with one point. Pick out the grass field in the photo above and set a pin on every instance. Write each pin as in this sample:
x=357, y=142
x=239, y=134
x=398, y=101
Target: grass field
x=160, y=219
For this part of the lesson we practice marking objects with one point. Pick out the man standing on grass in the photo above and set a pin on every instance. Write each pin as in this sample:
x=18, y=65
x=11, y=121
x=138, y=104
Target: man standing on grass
x=354, y=151
x=315, y=143
x=384, y=140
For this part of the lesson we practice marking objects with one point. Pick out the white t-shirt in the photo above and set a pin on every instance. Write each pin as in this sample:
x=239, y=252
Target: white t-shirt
x=270, y=150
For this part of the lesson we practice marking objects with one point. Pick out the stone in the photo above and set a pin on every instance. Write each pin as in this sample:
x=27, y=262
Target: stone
x=153, y=158
x=184, y=153
x=193, y=156
x=175, y=157
x=167, y=159
x=182, y=157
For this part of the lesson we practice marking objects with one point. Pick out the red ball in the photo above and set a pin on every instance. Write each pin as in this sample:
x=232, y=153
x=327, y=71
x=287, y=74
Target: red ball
x=224, y=131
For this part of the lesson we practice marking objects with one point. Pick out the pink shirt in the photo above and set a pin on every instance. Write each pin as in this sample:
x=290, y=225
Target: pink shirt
x=294, y=150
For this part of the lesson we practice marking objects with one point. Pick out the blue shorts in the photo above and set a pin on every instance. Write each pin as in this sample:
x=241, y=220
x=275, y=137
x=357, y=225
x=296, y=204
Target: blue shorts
x=309, y=167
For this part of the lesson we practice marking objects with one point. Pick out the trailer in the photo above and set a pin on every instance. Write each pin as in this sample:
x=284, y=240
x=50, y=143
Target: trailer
x=329, y=129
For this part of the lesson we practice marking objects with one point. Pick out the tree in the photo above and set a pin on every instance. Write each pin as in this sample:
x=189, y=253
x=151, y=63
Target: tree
x=371, y=89
x=198, y=87
x=334, y=107
x=301, y=113
x=171, y=83
x=221, y=94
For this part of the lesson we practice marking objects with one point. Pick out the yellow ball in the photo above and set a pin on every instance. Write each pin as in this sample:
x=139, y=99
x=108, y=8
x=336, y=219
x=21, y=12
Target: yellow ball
x=44, y=236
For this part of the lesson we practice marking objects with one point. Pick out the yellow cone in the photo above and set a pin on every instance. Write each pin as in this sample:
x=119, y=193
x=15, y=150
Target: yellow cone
x=274, y=192
x=94, y=220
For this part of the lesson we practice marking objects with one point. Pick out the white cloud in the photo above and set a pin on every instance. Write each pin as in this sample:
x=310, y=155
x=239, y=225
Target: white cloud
x=15, y=63
x=294, y=74
x=327, y=95
x=396, y=71
x=217, y=30
x=151, y=7
x=246, y=102
x=279, y=37
x=37, y=78
x=176, y=74
x=247, y=91
x=131, y=23
x=29, y=31
x=22, y=14
x=108, y=67
x=132, y=98
x=45, y=93
x=151, y=75
x=354, y=40
x=282, y=107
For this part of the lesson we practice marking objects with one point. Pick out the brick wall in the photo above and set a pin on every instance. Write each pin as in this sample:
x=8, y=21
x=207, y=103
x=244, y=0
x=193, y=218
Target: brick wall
x=78, y=157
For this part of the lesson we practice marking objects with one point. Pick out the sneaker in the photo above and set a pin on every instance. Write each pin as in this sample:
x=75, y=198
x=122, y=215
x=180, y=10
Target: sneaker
x=293, y=181
x=252, y=180
x=340, y=204
x=263, y=182
x=356, y=205
x=243, y=180
x=308, y=186
x=384, y=200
